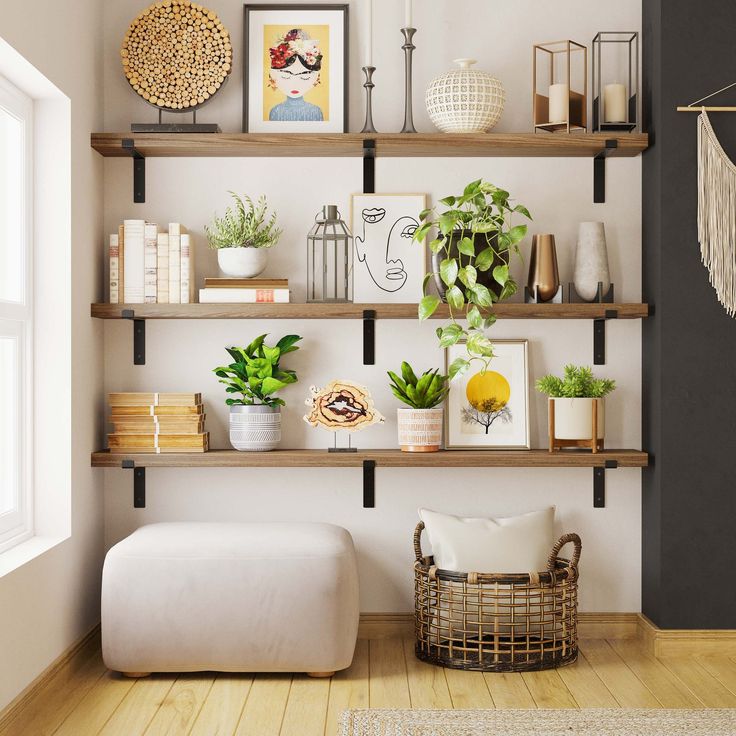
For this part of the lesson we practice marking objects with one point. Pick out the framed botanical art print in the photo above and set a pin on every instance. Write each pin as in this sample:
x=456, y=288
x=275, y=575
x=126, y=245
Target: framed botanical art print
x=295, y=68
x=489, y=409
x=389, y=266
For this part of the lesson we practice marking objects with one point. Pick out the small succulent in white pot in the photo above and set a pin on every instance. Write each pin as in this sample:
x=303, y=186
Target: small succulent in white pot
x=253, y=379
x=420, y=423
x=577, y=409
x=243, y=236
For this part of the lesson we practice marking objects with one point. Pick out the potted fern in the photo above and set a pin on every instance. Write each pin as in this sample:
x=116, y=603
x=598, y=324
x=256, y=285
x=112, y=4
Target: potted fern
x=420, y=423
x=576, y=407
x=243, y=236
x=253, y=379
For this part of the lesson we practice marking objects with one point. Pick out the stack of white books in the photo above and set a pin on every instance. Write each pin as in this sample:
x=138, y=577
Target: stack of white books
x=148, y=266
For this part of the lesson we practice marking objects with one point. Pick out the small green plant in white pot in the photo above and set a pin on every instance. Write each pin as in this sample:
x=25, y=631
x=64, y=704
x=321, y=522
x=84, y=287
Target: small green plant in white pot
x=576, y=407
x=243, y=236
x=253, y=380
x=420, y=423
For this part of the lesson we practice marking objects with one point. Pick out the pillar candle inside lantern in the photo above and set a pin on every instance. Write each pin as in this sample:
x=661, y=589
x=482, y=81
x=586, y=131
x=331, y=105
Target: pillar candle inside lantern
x=559, y=103
x=614, y=103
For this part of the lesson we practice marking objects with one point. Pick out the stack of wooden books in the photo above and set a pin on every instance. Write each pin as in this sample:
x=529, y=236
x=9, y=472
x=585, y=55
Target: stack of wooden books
x=148, y=266
x=157, y=423
x=244, y=291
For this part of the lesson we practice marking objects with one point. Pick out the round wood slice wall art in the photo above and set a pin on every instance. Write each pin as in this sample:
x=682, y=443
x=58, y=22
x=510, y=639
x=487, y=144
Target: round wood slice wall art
x=176, y=55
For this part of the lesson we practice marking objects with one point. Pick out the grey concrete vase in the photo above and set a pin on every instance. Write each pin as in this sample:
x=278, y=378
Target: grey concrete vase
x=591, y=261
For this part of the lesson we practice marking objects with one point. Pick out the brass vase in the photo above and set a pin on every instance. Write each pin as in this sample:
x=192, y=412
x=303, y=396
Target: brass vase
x=544, y=276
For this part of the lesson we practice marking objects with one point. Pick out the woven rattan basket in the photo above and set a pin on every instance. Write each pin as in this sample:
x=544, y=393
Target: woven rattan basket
x=497, y=623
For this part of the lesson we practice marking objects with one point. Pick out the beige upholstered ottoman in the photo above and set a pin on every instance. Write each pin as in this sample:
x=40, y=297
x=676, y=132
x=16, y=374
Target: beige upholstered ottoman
x=187, y=597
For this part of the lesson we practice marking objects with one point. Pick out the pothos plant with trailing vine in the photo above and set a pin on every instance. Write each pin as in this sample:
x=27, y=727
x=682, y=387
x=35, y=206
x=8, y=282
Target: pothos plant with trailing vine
x=474, y=235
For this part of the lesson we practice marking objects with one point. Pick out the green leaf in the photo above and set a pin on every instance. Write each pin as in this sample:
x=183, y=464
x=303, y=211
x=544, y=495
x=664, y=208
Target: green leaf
x=468, y=275
x=271, y=386
x=448, y=271
x=479, y=344
x=421, y=232
x=447, y=222
x=472, y=188
x=408, y=374
x=428, y=305
x=425, y=281
x=271, y=354
x=423, y=384
x=398, y=381
x=475, y=319
x=437, y=244
x=484, y=259
x=466, y=247
x=522, y=210
x=457, y=368
x=286, y=344
x=516, y=234
x=449, y=201
x=484, y=226
x=450, y=335
x=509, y=289
x=424, y=214
x=455, y=298
x=489, y=321
x=482, y=296
x=501, y=274
x=252, y=349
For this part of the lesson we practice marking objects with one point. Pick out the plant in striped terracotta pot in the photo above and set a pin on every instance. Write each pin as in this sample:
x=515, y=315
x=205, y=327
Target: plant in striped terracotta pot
x=420, y=422
x=253, y=379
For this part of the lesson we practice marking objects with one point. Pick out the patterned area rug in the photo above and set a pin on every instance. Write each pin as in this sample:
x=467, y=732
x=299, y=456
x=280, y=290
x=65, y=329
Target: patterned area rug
x=589, y=722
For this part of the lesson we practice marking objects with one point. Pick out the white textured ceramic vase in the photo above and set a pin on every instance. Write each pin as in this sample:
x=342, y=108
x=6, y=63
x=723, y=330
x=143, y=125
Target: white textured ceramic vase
x=255, y=428
x=242, y=263
x=591, y=261
x=420, y=430
x=465, y=100
x=574, y=419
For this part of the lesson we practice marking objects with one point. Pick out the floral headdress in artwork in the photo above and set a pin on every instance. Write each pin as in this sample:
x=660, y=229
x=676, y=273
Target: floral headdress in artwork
x=296, y=44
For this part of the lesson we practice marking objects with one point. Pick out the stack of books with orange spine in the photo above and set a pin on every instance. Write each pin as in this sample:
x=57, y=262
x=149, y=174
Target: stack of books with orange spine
x=157, y=423
x=244, y=291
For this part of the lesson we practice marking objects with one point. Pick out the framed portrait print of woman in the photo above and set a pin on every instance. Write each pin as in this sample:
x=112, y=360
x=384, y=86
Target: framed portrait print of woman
x=295, y=68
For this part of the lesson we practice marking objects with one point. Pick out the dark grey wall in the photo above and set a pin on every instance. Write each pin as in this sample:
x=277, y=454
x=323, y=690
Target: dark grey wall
x=689, y=352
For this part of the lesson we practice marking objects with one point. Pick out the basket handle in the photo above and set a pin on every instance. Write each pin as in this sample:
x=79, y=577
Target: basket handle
x=561, y=542
x=418, y=555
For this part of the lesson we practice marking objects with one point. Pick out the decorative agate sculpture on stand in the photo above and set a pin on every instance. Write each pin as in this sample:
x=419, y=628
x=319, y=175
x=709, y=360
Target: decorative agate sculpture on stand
x=342, y=405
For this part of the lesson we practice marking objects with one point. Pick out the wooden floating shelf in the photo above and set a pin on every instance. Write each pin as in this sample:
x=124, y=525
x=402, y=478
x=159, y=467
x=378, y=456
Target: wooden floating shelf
x=355, y=311
x=390, y=145
x=382, y=458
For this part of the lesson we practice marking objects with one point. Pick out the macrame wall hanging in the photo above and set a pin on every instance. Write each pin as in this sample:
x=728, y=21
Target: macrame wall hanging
x=716, y=205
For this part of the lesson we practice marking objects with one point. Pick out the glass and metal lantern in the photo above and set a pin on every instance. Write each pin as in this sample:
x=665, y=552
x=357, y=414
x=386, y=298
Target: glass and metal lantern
x=615, y=81
x=329, y=258
x=560, y=70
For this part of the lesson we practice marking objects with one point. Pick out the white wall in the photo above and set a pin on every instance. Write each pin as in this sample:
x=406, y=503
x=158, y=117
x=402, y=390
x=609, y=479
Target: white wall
x=49, y=603
x=180, y=355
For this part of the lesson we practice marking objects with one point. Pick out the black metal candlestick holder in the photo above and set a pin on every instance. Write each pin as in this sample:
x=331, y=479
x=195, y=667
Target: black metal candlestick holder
x=368, y=127
x=408, y=50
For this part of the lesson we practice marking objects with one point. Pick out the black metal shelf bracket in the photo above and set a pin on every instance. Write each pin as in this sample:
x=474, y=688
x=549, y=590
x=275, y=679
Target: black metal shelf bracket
x=599, y=483
x=599, y=336
x=369, y=166
x=599, y=171
x=139, y=170
x=369, y=484
x=139, y=336
x=139, y=483
x=369, y=337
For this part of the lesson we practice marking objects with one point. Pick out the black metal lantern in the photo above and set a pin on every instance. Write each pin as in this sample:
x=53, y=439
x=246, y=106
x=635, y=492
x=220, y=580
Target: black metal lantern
x=329, y=258
x=615, y=81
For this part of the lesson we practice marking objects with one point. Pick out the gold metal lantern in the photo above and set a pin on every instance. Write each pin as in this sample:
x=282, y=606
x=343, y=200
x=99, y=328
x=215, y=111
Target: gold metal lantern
x=560, y=71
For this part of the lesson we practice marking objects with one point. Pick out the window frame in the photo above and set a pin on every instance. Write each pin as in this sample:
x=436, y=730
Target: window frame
x=17, y=526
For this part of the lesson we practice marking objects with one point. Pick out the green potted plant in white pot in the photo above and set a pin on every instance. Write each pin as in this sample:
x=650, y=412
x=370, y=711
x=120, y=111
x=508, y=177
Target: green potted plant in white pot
x=243, y=236
x=576, y=407
x=253, y=379
x=420, y=423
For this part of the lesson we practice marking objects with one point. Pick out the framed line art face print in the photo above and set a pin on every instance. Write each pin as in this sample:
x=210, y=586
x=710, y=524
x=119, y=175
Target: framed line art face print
x=295, y=68
x=388, y=265
x=489, y=409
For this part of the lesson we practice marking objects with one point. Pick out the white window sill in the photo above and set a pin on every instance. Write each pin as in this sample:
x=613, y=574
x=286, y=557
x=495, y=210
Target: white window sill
x=25, y=552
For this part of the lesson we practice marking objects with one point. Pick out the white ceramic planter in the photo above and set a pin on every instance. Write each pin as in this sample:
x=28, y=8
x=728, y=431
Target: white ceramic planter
x=255, y=428
x=242, y=263
x=420, y=430
x=574, y=419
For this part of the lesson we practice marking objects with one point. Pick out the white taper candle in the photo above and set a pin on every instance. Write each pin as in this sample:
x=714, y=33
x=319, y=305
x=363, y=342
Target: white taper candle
x=369, y=35
x=408, y=15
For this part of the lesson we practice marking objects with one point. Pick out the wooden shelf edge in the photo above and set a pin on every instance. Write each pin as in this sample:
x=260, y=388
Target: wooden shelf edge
x=537, y=458
x=355, y=311
x=387, y=144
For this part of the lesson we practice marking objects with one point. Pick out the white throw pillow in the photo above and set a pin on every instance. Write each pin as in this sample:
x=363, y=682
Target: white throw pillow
x=513, y=544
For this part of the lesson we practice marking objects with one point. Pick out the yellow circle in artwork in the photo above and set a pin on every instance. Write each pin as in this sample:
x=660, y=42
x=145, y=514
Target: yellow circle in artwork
x=488, y=391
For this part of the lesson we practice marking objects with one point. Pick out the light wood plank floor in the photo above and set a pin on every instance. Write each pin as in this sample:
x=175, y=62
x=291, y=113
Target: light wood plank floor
x=384, y=674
